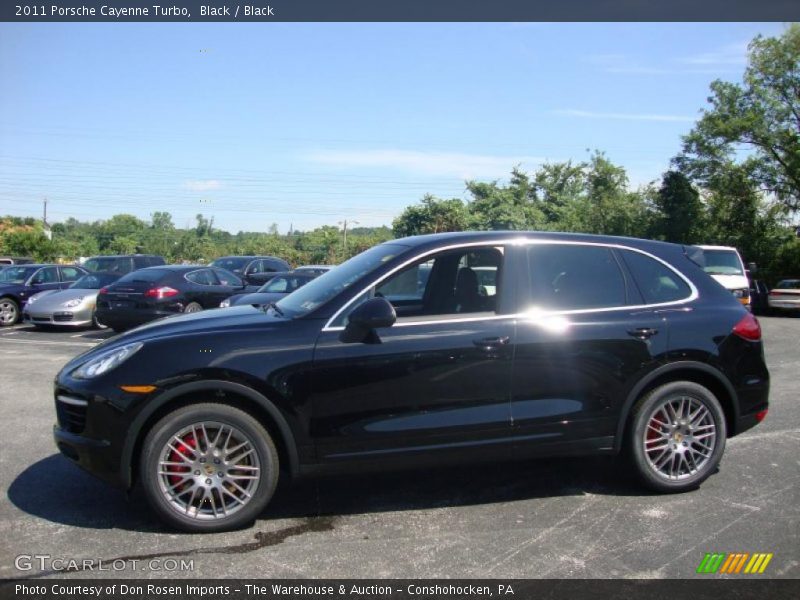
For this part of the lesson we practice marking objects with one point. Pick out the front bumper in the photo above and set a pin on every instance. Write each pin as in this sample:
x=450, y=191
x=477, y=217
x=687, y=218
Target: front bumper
x=94, y=456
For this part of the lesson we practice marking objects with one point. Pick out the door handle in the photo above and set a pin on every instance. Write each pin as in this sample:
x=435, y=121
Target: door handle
x=643, y=333
x=491, y=343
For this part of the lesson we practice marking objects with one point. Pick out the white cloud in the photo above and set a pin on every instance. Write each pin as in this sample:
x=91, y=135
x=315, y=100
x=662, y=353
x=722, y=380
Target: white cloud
x=452, y=164
x=587, y=114
x=730, y=58
x=730, y=54
x=202, y=185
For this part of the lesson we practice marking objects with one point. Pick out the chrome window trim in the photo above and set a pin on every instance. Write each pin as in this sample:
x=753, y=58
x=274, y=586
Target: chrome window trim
x=694, y=294
x=72, y=401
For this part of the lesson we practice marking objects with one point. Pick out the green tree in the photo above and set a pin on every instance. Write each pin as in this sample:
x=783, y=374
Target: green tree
x=432, y=215
x=679, y=211
x=762, y=115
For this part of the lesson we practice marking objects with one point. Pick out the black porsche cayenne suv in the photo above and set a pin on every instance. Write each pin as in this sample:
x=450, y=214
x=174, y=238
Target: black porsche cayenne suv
x=404, y=356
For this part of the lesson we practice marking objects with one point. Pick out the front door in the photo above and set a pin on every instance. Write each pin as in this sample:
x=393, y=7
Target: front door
x=437, y=380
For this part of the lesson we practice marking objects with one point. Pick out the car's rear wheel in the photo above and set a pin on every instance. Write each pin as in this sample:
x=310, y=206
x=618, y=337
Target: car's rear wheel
x=9, y=312
x=209, y=467
x=677, y=436
x=192, y=307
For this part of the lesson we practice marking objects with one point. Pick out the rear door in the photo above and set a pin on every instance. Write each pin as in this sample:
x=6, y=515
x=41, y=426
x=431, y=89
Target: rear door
x=46, y=278
x=583, y=332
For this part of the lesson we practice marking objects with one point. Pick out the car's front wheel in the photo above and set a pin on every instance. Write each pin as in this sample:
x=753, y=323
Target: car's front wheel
x=677, y=436
x=9, y=312
x=209, y=467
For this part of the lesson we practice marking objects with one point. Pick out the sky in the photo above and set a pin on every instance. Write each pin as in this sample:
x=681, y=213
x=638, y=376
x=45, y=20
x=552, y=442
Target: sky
x=303, y=124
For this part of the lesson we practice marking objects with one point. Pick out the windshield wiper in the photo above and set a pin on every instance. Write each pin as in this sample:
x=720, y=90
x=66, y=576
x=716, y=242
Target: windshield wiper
x=275, y=307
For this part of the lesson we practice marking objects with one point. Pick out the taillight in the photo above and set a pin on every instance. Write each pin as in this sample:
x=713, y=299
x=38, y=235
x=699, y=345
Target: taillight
x=761, y=415
x=103, y=290
x=748, y=328
x=162, y=292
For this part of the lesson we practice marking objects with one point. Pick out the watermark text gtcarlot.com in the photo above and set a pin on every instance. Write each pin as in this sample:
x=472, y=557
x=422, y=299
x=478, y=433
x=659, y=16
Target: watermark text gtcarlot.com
x=48, y=562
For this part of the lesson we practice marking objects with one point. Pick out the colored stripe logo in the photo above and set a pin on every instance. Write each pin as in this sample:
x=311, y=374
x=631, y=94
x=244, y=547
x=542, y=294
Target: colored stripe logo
x=734, y=563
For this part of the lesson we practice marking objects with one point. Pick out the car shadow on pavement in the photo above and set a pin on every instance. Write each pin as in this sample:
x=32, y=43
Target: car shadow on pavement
x=56, y=490
x=454, y=486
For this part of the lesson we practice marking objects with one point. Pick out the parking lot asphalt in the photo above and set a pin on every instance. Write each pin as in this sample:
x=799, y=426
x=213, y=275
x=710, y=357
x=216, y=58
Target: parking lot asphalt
x=576, y=517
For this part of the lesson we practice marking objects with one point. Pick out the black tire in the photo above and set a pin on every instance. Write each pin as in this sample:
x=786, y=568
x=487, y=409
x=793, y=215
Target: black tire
x=642, y=433
x=154, y=484
x=192, y=307
x=9, y=312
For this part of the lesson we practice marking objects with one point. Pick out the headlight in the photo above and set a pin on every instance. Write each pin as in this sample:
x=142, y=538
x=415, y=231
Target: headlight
x=33, y=299
x=106, y=361
x=225, y=303
x=73, y=303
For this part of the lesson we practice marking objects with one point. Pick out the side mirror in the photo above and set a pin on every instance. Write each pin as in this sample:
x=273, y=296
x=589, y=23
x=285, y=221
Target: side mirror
x=366, y=318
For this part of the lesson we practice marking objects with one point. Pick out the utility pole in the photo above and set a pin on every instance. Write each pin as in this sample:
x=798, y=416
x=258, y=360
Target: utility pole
x=45, y=227
x=344, y=232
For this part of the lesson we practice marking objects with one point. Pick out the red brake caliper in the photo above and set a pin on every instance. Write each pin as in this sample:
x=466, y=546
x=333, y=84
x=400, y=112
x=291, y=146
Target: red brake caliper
x=185, y=449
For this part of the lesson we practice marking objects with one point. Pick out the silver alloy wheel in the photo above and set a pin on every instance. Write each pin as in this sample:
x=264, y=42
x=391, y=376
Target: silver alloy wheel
x=680, y=438
x=8, y=311
x=193, y=308
x=208, y=470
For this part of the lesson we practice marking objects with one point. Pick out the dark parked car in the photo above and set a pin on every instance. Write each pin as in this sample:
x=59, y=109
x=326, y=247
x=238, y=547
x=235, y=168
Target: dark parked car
x=759, y=295
x=277, y=287
x=255, y=270
x=15, y=260
x=156, y=292
x=18, y=283
x=123, y=263
x=586, y=345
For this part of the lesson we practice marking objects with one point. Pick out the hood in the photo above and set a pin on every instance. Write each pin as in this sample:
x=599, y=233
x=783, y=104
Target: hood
x=225, y=321
x=731, y=282
x=257, y=298
x=52, y=300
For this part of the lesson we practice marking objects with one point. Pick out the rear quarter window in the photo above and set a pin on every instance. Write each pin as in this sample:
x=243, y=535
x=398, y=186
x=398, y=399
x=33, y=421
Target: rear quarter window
x=657, y=282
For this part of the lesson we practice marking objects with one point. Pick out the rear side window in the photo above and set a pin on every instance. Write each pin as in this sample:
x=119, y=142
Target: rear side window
x=574, y=277
x=202, y=277
x=70, y=273
x=657, y=282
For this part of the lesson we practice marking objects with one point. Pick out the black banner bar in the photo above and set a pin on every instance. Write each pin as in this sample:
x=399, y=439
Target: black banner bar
x=733, y=588
x=398, y=10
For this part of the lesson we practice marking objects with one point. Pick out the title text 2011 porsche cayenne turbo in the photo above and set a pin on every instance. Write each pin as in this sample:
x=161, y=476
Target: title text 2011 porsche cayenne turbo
x=568, y=344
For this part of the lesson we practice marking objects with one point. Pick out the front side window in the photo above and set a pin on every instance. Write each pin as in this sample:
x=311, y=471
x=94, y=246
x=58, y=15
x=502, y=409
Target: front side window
x=46, y=275
x=444, y=285
x=574, y=277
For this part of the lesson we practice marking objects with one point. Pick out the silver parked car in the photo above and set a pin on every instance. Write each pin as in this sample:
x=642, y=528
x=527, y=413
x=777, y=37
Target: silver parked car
x=72, y=307
x=785, y=296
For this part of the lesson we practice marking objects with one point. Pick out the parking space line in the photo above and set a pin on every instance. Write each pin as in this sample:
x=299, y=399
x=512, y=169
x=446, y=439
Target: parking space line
x=52, y=343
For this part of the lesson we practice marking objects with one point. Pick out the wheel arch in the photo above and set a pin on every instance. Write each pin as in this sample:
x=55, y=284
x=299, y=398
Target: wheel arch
x=234, y=394
x=696, y=372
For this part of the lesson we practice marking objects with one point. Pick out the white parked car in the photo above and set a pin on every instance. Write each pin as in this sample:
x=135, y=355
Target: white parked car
x=725, y=265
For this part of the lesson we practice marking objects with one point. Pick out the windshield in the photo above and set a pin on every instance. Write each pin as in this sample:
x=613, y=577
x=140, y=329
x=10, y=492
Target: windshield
x=788, y=284
x=15, y=274
x=722, y=262
x=108, y=263
x=317, y=292
x=232, y=263
x=93, y=282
